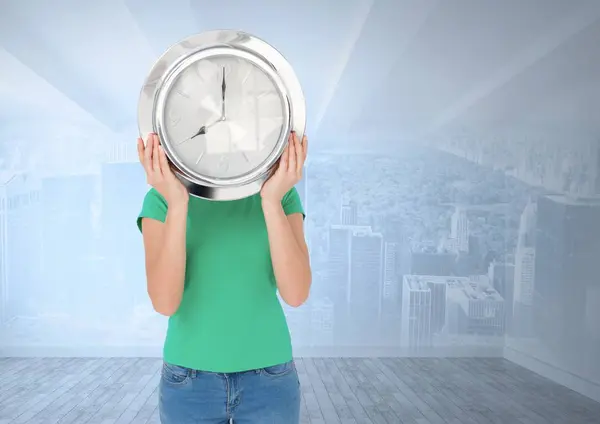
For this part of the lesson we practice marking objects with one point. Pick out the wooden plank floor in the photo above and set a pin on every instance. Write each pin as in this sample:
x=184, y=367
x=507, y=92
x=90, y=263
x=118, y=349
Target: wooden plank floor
x=335, y=391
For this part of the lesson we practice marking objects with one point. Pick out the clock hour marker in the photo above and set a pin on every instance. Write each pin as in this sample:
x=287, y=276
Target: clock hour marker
x=199, y=158
x=247, y=76
x=182, y=94
x=199, y=72
x=224, y=163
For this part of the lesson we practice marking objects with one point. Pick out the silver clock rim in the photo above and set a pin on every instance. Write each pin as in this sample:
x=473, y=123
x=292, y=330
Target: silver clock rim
x=234, y=43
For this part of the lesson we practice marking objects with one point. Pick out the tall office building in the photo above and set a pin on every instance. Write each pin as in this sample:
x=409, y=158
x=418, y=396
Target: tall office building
x=567, y=250
x=321, y=322
x=298, y=322
x=438, y=304
x=473, y=307
x=123, y=190
x=365, y=288
x=524, y=275
x=349, y=213
x=355, y=269
x=119, y=152
x=338, y=279
x=68, y=241
x=596, y=171
x=437, y=290
x=501, y=277
x=459, y=230
x=416, y=313
x=3, y=249
x=395, y=265
x=391, y=283
x=524, y=278
x=22, y=290
x=338, y=266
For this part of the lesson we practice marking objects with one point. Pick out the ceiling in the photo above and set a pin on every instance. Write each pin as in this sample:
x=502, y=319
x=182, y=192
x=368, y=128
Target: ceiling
x=374, y=72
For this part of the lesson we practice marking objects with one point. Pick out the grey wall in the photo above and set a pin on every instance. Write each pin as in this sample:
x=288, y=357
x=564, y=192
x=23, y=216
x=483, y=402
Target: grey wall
x=452, y=189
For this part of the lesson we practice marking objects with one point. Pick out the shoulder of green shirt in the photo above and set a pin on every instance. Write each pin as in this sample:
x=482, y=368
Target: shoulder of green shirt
x=292, y=204
x=154, y=206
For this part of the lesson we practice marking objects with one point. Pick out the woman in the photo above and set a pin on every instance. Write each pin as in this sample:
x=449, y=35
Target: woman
x=214, y=268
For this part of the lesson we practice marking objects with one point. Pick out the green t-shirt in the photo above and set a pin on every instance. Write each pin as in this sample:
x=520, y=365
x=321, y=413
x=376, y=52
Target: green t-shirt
x=230, y=318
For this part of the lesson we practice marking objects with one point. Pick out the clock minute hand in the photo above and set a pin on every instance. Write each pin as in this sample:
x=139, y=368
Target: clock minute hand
x=223, y=88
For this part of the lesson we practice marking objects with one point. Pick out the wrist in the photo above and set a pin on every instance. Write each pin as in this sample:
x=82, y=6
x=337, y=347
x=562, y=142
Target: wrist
x=178, y=206
x=270, y=203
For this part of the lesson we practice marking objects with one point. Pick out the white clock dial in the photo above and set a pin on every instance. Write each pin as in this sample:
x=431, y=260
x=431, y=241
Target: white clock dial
x=223, y=138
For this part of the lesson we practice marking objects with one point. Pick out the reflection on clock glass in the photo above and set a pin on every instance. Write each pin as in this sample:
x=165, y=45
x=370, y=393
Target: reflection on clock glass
x=223, y=117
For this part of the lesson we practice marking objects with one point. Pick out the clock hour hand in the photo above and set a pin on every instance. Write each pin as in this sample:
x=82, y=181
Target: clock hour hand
x=201, y=131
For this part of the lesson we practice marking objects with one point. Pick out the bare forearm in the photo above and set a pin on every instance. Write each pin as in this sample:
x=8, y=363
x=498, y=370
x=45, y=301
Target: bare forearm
x=166, y=272
x=291, y=264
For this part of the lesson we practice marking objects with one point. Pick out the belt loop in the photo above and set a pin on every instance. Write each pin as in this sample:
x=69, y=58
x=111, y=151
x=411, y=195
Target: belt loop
x=194, y=373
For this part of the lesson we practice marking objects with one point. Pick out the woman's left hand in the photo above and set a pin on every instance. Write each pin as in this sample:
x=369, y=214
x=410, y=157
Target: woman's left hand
x=289, y=170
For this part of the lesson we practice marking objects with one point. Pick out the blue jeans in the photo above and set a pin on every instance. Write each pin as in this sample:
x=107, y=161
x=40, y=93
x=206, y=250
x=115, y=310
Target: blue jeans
x=264, y=396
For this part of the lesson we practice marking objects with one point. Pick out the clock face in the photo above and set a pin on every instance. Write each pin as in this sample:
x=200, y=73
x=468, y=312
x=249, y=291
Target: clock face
x=223, y=117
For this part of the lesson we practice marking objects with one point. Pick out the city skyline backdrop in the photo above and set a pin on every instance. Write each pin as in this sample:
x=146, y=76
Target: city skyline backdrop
x=452, y=189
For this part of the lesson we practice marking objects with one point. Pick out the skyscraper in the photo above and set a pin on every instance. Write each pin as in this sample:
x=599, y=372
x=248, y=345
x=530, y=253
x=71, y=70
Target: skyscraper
x=391, y=306
x=524, y=276
x=438, y=304
x=416, y=313
x=437, y=295
x=355, y=280
x=297, y=321
x=567, y=250
x=3, y=250
x=68, y=240
x=322, y=322
x=338, y=264
x=460, y=230
x=119, y=152
x=123, y=189
x=349, y=213
x=501, y=276
x=23, y=290
x=473, y=307
x=391, y=285
x=525, y=255
x=366, y=280
x=596, y=170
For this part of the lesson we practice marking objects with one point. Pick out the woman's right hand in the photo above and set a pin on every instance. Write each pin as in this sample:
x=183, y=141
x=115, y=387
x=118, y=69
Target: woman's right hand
x=158, y=172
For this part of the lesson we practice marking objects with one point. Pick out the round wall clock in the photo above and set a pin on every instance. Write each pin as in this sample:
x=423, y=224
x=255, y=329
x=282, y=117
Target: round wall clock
x=223, y=104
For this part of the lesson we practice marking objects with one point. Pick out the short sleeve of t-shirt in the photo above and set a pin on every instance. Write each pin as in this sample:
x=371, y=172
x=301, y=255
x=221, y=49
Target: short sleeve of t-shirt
x=292, y=204
x=154, y=206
